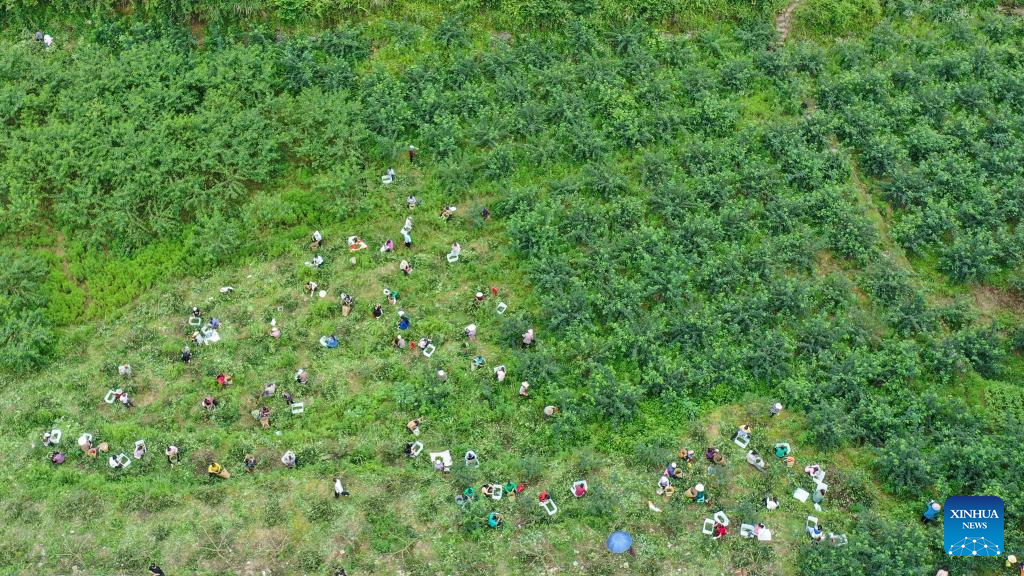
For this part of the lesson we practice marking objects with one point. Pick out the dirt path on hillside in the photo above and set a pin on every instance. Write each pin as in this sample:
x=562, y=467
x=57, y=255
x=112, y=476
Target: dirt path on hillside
x=784, y=21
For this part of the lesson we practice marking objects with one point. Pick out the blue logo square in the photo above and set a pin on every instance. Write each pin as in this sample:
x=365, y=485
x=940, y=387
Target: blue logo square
x=973, y=526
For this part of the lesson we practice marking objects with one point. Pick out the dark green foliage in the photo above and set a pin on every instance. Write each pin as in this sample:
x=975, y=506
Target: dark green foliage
x=883, y=548
x=942, y=139
x=25, y=333
x=904, y=468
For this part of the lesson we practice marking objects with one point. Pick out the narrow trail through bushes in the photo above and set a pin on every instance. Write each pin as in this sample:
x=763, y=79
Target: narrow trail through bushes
x=784, y=21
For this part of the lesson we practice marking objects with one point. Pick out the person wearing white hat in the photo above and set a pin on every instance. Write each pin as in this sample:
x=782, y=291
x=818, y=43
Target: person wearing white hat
x=931, y=511
x=442, y=375
x=776, y=409
x=288, y=459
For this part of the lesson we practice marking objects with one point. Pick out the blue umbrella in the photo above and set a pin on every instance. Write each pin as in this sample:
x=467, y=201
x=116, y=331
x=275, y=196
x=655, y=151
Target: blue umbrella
x=620, y=542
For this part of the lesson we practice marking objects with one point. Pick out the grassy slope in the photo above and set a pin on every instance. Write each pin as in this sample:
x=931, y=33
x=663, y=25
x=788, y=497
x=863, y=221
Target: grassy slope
x=401, y=515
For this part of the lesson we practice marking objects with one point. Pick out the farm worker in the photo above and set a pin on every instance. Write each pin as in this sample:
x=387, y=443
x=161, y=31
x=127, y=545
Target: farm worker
x=403, y=322
x=47, y=40
x=408, y=224
x=414, y=426
x=816, y=533
x=318, y=240
x=664, y=482
x=688, y=455
x=155, y=570
x=442, y=375
x=85, y=443
x=269, y=389
x=186, y=355
x=776, y=409
x=216, y=469
x=543, y=496
x=742, y=432
x=125, y=370
x=288, y=398
x=818, y=496
x=405, y=267
x=695, y=492
x=172, y=454
x=412, y=201
x=499, y=372
x=485, y=213
x=311, y=286
x=524, y=389
x=288, y=459
x=448, y=212
x=771, y=502
x=224, y=380
x=275, y=332
x=456, y=250
x=719, y=531
x=249, y=462
x=528, y=337
x=122, y=397
x=579, y=490
x=398, y=342
x=391, y=173
x=387, y=246
x=329, y=341
x=140, y=451
x=931, y=511
x=377, y=311
x=412, y=153
x=479, y=296
x=406, y=238
x=114, y=462
x=339, y=490
x=1010, y=561
x=782, y=449
x=470, y=332
x=550, y=411
x=710, y=453
x=317, y=261
x=494, y=519
x=478, y=362
x=214, y=323
x=346, y=304
x=209, y=403
x=670, y=470
x=196, y=313
x=57, y=457
x=301, y=376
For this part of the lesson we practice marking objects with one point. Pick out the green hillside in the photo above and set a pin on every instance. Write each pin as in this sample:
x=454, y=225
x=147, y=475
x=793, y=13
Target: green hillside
x=697, y=217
